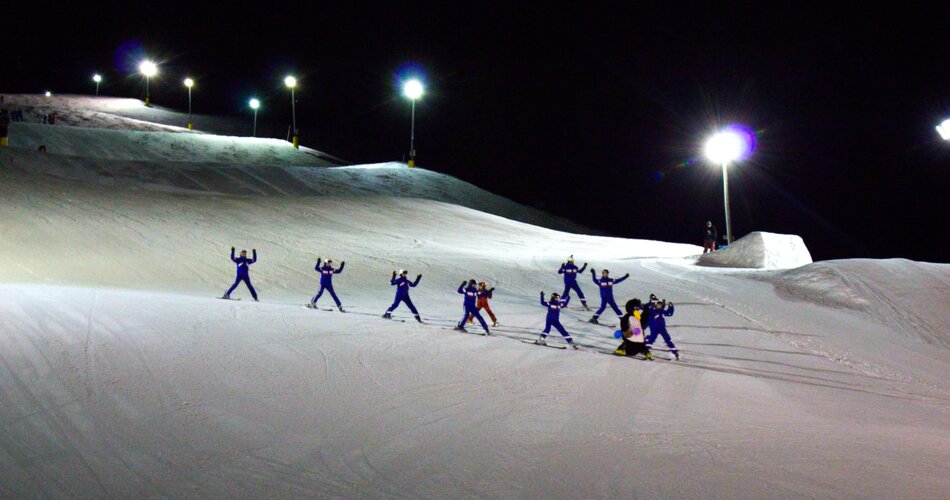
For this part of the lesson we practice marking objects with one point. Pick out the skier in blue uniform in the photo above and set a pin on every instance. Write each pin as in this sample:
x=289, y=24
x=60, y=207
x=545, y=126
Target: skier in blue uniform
x=242, y=273
x=402, y=285
x=470, y=309
x=554, y=319
x=657, y=311
x=606, y=284
x=326, y=282
x=570, y=272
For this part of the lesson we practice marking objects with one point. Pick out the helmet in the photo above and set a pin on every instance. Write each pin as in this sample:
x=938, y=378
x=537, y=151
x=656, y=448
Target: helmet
x=403, y=271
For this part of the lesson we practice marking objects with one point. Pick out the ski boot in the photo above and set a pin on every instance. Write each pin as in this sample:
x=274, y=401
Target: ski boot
x=460, y=328
x=575, y=346
x=226, y=297
x=648, y=356
x=620, y=352
x=418, y=318
x=341, y=309
x=541, y=341
x=387, y=315
x=584, y=303
x=494, y=324
x=676, y=355
x=594, y=320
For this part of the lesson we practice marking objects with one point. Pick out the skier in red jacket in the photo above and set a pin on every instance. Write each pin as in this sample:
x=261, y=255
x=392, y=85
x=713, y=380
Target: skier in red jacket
x=484, y=294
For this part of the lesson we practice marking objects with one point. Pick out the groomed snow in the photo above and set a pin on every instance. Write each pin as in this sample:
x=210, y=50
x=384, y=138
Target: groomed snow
x=761, y=250
x=122, y=375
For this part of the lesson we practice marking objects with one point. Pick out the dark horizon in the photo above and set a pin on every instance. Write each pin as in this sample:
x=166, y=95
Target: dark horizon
x=595, y=115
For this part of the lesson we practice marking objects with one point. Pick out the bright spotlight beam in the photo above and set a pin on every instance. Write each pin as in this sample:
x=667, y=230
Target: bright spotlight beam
x=413, y=89
x=148, y=68
x=290, y=82
x=944, y=130
x=725, y=147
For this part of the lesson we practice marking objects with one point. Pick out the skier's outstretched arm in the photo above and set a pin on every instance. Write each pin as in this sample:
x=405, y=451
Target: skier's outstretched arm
x=462, y=288
x=669, y=310
x=583, y=268
x=232, y=255
x=543, y=302
x=392, y=281
x=593, y=276
x=561, y=270
x=254, y=251
x=622, y=278
x=340, y=270
x=416, y=283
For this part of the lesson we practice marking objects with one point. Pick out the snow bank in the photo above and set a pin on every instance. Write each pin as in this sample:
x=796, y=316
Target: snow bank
x=909, y=297
x=761, y=250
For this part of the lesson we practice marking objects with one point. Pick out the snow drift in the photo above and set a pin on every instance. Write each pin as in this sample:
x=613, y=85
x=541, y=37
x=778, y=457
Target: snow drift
x=761, y=250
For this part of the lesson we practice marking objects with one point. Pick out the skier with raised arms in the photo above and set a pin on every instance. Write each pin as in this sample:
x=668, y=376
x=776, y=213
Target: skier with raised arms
x=326, y=282
x=658, y=311
x=554, y=319
x=606, y=284
x=570, y=272
x=242, y=273
x=402, y=285
x=470, y=310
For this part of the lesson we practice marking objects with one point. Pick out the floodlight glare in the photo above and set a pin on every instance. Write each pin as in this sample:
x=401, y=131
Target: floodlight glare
x=725, y=147
x=290, y=82
x=148, y=68
x=189, y=82
x=255, y=104
x=97, y=78
x=944, y=130
x=49, y=94
x=413, y=89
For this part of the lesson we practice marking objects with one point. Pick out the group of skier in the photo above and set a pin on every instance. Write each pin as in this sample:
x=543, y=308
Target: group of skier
x=638, y=318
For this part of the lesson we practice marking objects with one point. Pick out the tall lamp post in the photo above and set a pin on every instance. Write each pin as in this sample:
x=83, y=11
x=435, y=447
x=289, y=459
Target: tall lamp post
x=413, y=89
x=189, y=83
x=148, y=70
x=723, y=148
x=98, y=79
x=291, y=82
x=944, y=130
x=255, y=104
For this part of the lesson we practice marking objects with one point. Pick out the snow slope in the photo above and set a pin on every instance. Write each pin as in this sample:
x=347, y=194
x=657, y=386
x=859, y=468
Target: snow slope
x=761, y=250
x=122, y=375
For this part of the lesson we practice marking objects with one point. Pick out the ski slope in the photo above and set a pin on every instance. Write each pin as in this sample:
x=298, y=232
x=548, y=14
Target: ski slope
x=121, y=374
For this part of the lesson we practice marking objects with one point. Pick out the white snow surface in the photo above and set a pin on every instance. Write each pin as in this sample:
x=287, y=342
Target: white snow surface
x=122, y=375
x=761, y=250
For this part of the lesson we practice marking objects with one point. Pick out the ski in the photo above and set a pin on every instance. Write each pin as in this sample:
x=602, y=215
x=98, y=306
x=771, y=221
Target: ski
x=545, y=345
x=229, y=298
x=482, y=334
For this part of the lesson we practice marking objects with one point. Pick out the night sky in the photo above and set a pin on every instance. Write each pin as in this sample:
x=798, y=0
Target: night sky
x=598, y=114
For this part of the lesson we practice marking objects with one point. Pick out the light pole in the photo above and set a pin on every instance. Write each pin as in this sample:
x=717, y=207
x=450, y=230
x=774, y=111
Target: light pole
x=97, y=78
x=292, y=83
x=944, y=130
x=413, y=89
x=148, y=70
x=255, y=104
x=722, y=148
x=189, y=83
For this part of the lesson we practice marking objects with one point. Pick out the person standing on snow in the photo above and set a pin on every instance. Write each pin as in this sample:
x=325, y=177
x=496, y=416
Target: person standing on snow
x=570, y=272
x=632, y=325
x=484, y=294
x=402, y=285
x=470, y=310
x=554, y=319
x=606, y=284
x=242, y=273
x=709, y=241
x=657, y=311
x=326, y=282
x=4, y=126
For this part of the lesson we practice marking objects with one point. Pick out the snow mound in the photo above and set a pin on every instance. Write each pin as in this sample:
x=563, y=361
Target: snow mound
x=154, y=146
x=761, y=250
x=117, y=114
x=909, y=297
